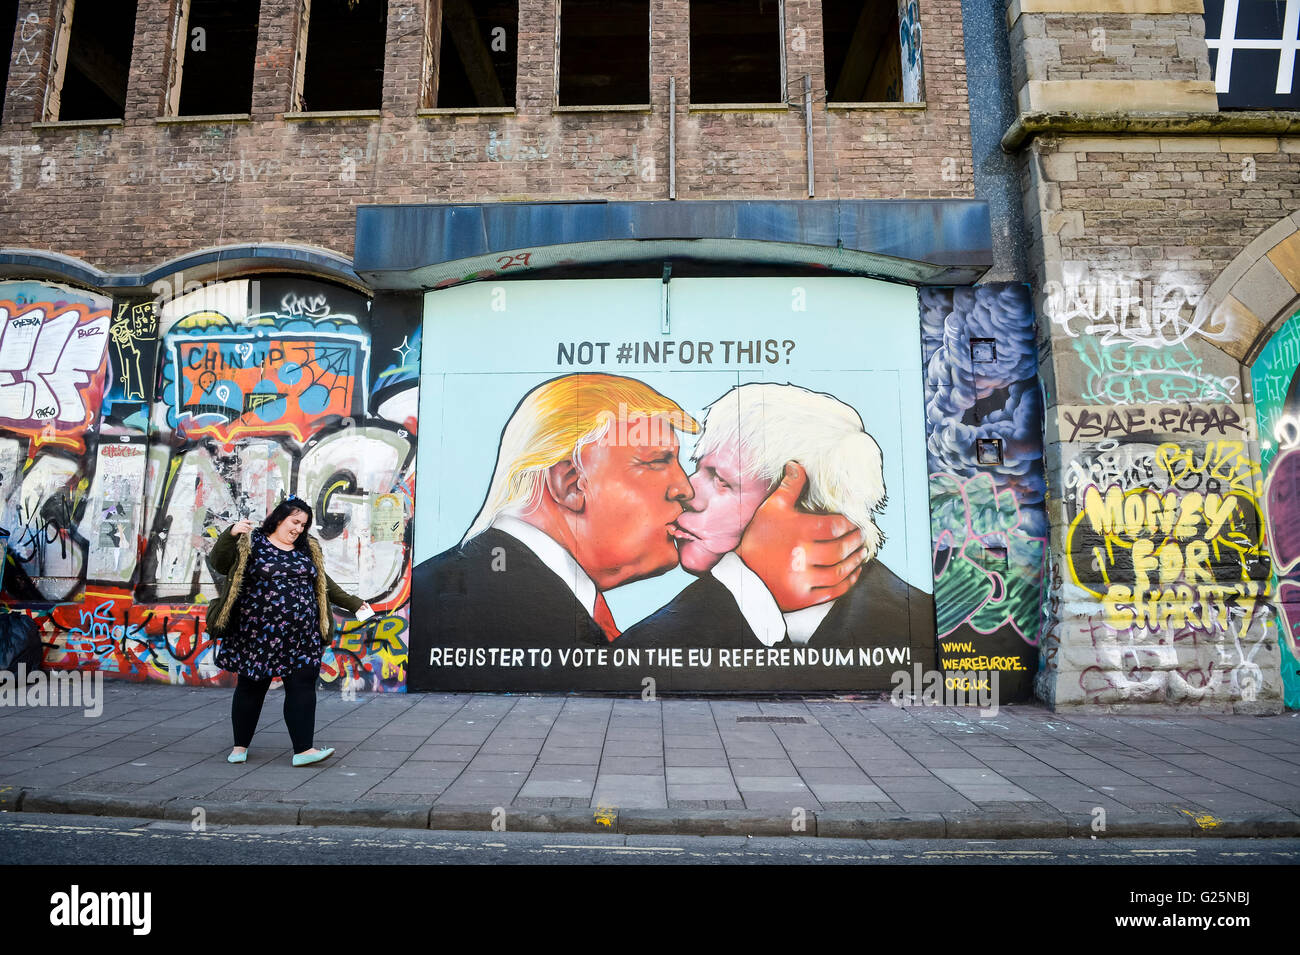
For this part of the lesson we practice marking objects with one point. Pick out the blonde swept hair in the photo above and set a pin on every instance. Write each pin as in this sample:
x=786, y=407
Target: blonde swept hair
x=554, y=422
x=771, y=424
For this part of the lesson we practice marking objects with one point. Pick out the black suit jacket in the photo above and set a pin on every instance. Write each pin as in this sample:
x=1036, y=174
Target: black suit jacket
x=880, y=610
x=491, y=592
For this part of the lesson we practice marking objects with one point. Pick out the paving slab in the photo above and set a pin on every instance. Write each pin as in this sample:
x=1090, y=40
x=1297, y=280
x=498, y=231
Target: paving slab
x=852, y=766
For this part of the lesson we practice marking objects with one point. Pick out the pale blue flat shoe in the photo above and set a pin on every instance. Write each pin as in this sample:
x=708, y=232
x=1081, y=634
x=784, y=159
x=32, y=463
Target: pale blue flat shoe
x=238, y=757
x=306, y=759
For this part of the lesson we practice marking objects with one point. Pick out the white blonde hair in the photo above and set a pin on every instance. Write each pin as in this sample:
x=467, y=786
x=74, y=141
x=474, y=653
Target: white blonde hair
x=771, y=424
x=553, y=423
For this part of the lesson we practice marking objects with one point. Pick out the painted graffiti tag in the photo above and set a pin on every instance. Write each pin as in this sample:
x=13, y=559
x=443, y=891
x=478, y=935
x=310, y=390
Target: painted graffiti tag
x=1126, y=310
x=1167, y=561
x=1082, y=423
x=51, y=370
x=1109, y=462
x=1127, y=376
x=1216, y=467
x=275, y=380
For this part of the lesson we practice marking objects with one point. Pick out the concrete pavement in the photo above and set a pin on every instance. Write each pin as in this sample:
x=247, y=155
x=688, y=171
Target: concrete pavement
x=548, y=763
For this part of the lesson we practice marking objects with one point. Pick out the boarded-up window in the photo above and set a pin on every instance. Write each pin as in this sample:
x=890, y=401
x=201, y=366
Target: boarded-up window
x=344, y=66
x=220, y=43
x=604, y=53
x=92, y=73
x=736, y=52
x=477, y=53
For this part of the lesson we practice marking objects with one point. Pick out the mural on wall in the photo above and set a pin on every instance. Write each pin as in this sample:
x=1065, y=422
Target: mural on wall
x=201, y=412
x=685, y=505
x=1164, y=592
x=984, y=446
x=1275, y=381
x=53, y=367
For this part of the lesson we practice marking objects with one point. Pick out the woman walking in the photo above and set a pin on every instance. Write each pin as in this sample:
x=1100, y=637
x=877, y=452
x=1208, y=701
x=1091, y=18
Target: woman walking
x=274, y=620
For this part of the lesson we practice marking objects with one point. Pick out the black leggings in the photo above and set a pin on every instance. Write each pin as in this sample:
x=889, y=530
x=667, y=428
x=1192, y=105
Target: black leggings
x=299, y=706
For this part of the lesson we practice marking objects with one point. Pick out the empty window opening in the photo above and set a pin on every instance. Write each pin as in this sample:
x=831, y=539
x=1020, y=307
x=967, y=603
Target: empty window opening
x=604, y=53
x=736, y=48
x=988, y=450
x=344, y=66
x=996, y=553
x=864, y=51
x=216, y=49
x=8, y=28
x=93, y=60
x=477, y=54
x=983, y=350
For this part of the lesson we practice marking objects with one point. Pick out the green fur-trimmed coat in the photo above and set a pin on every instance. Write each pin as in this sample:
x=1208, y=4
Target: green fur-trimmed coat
x=230, y=557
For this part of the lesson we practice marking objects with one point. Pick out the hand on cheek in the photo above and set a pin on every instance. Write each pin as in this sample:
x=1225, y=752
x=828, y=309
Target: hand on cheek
x=803, y=559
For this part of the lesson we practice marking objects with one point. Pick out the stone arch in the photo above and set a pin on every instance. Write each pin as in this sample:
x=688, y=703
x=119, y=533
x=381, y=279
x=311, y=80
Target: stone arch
x=1257, y=292
x=1253, y=303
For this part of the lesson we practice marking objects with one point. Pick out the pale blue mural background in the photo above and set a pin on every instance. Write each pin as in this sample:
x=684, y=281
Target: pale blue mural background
x=856, y=339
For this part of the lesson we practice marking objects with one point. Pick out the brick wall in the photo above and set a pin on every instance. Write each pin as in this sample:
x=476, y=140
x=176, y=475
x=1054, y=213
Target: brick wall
x=1110, y=46
x=129, y=195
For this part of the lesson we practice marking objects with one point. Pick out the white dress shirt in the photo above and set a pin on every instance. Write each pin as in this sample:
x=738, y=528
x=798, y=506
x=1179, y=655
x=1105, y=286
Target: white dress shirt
x=758, y=606
x=551, y=553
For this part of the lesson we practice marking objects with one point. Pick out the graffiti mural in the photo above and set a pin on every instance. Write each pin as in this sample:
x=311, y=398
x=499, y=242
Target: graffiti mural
x=53, y=366
x=133, y=433
x=1163, y=594
x=1153, y=553
x=736, y=505
x=984, y=444
x=1276, y=386
x=51, y=370
x=267, y=376
x=1177, y=561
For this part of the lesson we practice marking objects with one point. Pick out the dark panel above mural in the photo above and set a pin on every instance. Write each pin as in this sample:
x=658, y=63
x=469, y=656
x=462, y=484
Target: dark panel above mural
x=1253, y=47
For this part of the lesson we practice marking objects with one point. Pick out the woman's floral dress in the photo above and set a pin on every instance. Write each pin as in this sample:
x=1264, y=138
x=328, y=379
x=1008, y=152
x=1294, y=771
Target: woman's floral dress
x=278, y=628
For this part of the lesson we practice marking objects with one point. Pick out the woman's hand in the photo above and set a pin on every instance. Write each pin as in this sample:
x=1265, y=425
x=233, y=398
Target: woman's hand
x=241, y=527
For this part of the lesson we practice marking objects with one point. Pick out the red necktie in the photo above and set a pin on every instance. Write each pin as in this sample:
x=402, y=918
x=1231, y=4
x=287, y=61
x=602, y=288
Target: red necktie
x=604, y=618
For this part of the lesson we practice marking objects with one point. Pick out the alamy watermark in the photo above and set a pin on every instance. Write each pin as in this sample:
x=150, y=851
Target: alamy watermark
x=77, y=688
x=76, y=908
x=951, y=688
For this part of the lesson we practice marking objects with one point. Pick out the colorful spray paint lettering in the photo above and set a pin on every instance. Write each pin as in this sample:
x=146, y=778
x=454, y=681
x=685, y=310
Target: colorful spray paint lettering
x=114, y=499
x=1274, y=380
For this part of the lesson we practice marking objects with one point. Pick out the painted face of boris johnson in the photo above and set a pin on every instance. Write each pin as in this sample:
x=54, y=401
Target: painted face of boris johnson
x=716, y=517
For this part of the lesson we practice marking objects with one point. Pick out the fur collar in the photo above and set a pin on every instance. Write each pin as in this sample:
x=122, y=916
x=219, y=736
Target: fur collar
x=235, y=582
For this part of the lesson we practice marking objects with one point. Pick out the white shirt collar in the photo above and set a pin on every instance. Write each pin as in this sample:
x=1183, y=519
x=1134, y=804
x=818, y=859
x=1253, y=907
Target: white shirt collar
x=758, y=606
x=551, y=553
x=802, y=624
